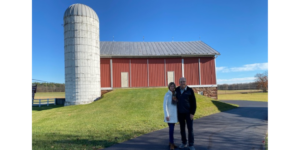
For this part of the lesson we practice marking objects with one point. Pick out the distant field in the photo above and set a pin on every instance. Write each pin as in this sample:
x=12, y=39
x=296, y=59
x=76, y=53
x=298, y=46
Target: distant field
x=41, y=95
x=252, y=95
x=237, y=91
x=255, y=95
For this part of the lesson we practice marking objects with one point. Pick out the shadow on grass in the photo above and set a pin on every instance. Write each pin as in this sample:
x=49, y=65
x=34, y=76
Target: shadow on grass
x=150, y=141
x=73, y=141
x=223, y=106
x=45, y=107
x=100, y=98
x=69, y=142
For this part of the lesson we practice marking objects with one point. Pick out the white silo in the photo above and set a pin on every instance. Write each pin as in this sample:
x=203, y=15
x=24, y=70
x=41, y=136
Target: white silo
x=82, y=55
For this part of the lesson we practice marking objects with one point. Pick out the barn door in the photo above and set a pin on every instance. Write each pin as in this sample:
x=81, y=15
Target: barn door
x=124, y=79
x=171, y=76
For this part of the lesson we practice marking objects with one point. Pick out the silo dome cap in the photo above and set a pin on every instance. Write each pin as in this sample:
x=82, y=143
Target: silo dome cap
x=81, y=10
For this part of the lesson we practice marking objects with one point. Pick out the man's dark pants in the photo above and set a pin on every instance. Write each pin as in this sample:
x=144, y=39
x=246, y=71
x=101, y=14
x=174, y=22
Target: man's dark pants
x=185, y=117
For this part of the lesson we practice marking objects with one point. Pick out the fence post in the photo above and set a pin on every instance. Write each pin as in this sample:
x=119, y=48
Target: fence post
x=54, y=101
x=39, y=102
x=48, y=102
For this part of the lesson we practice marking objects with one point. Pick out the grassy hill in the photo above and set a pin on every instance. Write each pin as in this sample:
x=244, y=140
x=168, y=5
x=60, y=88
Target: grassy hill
x=120, y=115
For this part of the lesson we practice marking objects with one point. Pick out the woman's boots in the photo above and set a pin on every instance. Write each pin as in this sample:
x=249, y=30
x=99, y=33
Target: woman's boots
x=172, y=146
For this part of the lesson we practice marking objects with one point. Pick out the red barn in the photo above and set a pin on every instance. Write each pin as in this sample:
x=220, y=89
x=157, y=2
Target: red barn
x=155, y=64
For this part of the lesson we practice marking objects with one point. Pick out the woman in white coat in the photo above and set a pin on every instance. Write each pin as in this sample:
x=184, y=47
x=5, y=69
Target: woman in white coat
x=170, y=111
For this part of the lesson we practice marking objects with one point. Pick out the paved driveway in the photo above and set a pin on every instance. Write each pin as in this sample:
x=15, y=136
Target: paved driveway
x=241, y=128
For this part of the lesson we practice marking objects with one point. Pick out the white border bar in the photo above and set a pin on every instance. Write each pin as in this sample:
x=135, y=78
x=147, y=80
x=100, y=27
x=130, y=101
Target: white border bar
x=106, y=88
x=182, y=67
x=213, y=85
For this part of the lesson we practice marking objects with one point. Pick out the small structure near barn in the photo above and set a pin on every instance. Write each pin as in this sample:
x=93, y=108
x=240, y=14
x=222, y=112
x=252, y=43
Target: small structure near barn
x=34, y=87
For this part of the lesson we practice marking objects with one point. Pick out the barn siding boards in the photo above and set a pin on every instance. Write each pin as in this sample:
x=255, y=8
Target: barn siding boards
x=191, y=71
x=165, y=72
x=105, y=72
x=120, y=65
x=174, y=64
x=111, y=74
x=156, y=72
x=139, y=72
x=208, y=75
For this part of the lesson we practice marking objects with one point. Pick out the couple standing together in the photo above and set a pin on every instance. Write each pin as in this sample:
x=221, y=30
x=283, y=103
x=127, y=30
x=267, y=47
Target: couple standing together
x=180, y=105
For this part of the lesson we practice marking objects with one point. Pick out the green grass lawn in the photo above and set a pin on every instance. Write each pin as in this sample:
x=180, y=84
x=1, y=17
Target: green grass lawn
x=249, y=96
x=266, y=142
x=118, y=116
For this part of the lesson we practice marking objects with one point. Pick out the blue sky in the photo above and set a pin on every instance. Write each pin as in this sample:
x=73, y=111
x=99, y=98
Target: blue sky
x=238, y=29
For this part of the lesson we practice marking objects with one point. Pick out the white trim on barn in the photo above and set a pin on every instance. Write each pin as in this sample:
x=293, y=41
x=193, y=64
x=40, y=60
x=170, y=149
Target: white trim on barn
x=111, y=74
x=182, y=66
x=106, y=88
x=215, y=70
x=212, y=85
x=199, y=71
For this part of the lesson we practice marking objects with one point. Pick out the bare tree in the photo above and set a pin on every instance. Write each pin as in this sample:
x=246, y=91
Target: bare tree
x=262, y=81
x=226, y=86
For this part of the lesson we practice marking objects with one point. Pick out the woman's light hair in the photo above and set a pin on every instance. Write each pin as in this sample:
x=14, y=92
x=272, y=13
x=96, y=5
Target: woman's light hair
x=171, y=83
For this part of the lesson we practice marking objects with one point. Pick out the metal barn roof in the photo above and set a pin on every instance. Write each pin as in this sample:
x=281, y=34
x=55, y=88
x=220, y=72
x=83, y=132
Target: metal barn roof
x=136, y=49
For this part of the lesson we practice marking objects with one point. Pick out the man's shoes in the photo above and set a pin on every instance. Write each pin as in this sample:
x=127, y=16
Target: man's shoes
x=192, y=148
x=182, y=145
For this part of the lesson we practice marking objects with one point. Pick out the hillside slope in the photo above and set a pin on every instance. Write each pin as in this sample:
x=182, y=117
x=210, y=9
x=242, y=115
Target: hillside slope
x=118, y=116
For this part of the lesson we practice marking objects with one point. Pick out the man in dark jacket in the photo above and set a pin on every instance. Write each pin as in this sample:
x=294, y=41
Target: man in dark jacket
x=186, y=108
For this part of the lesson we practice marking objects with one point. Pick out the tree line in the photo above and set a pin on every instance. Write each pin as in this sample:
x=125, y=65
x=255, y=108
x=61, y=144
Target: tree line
x=238, y=86
x=49, y=87
x=260, y=83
